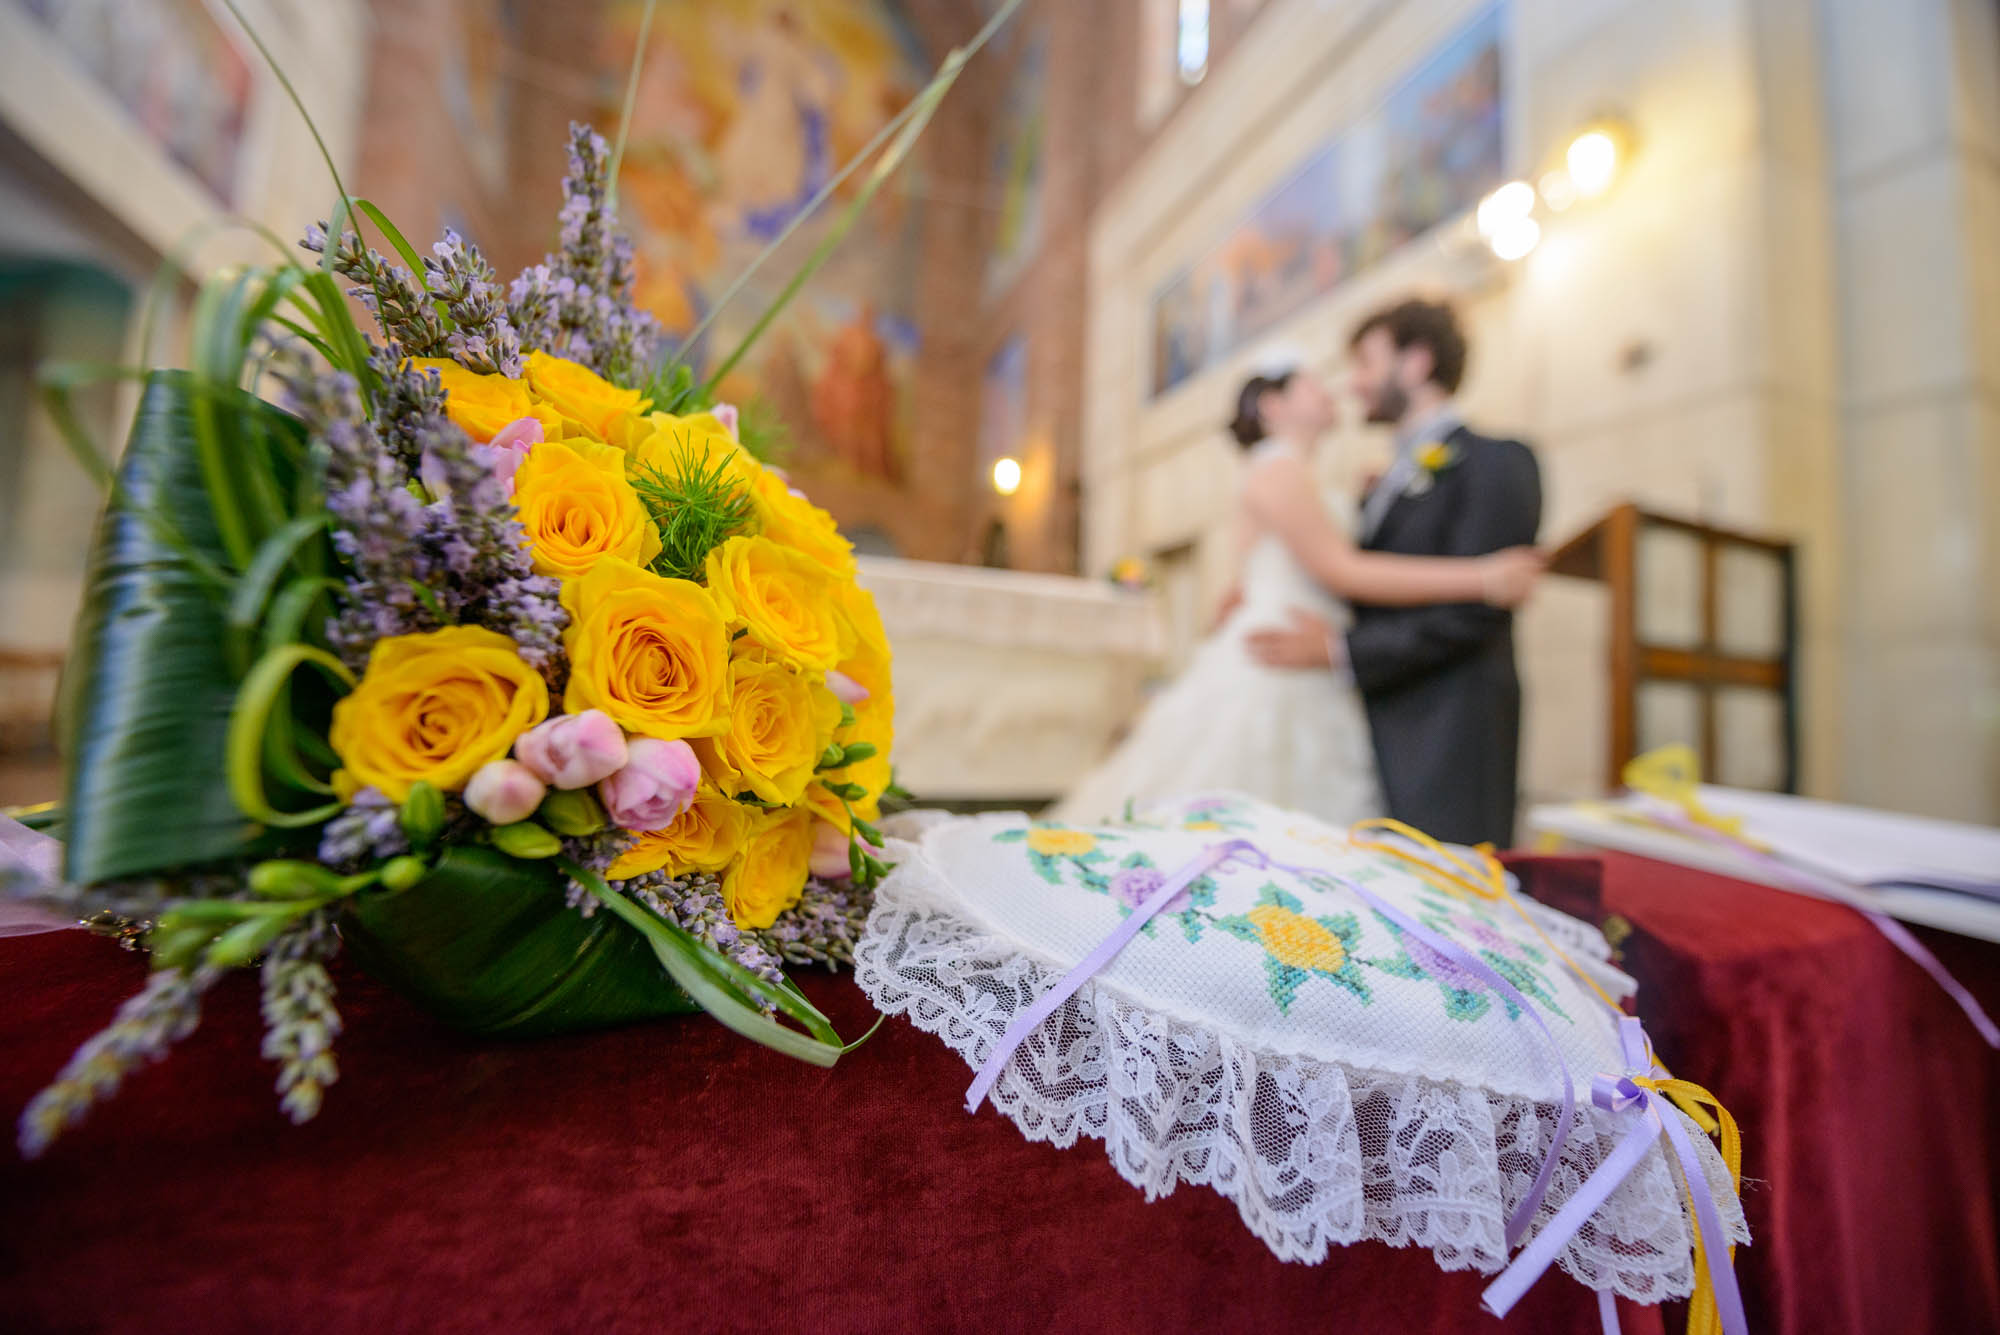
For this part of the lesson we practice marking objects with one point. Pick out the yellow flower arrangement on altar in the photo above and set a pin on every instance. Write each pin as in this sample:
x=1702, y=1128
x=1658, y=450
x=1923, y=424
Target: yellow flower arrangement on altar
x=598, y=715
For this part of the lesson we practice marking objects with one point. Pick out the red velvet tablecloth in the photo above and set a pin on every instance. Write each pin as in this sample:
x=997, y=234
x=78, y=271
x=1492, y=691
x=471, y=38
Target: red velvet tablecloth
x=1870, y=1107
x=672, y=1176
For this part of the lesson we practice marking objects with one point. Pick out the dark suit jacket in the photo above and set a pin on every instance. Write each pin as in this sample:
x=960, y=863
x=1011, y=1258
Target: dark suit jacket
x=1444, y=703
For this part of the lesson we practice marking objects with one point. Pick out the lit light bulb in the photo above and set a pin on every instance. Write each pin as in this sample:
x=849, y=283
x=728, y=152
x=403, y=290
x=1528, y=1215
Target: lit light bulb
x=1593, y=161
x=1516, y=238
x=1006, y=476
x=1510, y=203
x=1558, y=190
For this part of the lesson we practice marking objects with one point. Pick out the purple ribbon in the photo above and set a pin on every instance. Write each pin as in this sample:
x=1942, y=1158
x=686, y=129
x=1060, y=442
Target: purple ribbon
x=1624, y=1095
x=1822, y=886
x=1045, y=1006
x=1026, y=1022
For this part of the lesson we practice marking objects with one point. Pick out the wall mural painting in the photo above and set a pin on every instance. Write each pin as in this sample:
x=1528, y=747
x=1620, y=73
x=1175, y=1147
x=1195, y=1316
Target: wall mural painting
x=745, y=110
x=1425, y=154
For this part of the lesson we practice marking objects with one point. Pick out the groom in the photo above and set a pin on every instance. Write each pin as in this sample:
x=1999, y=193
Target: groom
x=1444, y=703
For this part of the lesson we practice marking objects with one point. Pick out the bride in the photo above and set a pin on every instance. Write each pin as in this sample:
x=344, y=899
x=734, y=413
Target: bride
x=1296, y=737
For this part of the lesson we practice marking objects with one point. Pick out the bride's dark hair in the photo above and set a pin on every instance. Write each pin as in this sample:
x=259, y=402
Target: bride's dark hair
x=1248, y=425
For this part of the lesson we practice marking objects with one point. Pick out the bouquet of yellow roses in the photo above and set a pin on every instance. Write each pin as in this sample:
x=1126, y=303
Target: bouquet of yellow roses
x=491, y=654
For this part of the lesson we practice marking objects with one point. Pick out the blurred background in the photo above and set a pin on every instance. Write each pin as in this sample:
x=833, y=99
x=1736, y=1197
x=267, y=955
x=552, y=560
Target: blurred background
x=1732, y=266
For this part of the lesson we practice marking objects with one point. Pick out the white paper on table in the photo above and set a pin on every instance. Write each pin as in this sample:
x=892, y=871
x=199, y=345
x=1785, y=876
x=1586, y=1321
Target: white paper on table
x=40, y=858
x=1937, y=873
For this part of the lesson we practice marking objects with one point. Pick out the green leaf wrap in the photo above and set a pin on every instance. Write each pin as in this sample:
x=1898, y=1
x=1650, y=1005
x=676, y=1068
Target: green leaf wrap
x=487, y=944
x=151, y=684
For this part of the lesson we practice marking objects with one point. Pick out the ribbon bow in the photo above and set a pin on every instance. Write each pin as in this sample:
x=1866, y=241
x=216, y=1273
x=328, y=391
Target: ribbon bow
x=1717, y=1305
x=1670, y=776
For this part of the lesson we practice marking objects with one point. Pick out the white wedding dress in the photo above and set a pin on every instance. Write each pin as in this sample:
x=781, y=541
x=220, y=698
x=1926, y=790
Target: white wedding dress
x=1297, y=738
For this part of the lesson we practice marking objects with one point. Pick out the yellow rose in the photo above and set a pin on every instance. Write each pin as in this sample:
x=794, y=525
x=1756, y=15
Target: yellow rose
x=770, y=875
x=1294, y=939
x=797, y=523
x=706, y=837
x=875, y=717
x=1056, y=841
x=651, y=652
x=434, y=706
x=668, y=444
x=480, y=404
x=782, y=598
x=868, y=659
x=581, y=395
x=577, y=508
x=779, y=725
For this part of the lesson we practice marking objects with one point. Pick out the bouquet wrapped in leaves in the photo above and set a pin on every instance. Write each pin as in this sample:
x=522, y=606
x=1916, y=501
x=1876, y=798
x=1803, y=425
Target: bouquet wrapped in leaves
x=486, y=648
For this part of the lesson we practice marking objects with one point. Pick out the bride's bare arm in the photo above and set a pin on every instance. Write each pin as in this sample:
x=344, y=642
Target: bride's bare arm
x=1283, y=495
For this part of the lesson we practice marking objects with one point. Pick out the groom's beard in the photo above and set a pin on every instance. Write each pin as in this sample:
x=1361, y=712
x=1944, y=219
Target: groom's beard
x=1389, y=404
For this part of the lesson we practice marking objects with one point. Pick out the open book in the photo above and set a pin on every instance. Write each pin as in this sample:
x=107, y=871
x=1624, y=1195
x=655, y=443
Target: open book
x=1938, y=873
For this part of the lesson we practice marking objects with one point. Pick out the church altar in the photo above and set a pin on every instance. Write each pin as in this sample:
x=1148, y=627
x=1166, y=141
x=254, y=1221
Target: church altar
x=623, y=1181
x=1031, y=673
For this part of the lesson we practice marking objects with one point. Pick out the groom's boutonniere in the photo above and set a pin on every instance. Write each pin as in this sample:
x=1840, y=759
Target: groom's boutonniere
x=1431, y=460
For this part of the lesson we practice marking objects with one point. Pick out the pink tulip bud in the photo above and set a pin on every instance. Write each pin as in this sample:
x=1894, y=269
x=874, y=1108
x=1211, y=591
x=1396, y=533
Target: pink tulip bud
x=829, y=853
x=573, y=750
x=508, y=449
x=655, y=786
x=504, y=791
x=725, y=413
x=845, y=688
x=503, y=455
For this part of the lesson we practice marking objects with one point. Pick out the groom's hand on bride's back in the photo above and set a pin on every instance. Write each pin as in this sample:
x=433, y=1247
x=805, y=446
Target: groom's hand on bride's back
x=1232, y=598
x=1307, y=642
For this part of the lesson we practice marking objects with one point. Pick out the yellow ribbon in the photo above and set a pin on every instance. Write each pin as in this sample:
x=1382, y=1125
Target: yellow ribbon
x=1487, y=880
x=1671, y=769
x=1673, y=775
x=1703, y=1318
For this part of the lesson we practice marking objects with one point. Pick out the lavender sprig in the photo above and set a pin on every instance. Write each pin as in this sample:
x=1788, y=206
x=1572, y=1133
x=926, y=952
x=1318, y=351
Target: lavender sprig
x=300, y=1022
x=694, y=904
x=377, y=518
x=822, y=928
x=167, y=1010
x=577, y=302
x=400, y=304
x=459, y=560
x=366, y=834
x=409, y=404
x=484, y=340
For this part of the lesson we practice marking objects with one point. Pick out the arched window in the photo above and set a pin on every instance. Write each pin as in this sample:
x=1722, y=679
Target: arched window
x=1191, y=41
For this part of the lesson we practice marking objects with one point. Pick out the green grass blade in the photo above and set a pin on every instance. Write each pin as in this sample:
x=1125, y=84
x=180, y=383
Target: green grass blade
x=701, y=974
x=58, y=383
x=292, y=93
x=253, y=587
x=249, y=721
x=285, y=623
x=885, y=166
x=625, y=112
x=343, y=212
x=947, y=73
x=394, y=236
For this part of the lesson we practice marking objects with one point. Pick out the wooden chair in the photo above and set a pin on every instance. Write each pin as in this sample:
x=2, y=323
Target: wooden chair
x=1704, y=623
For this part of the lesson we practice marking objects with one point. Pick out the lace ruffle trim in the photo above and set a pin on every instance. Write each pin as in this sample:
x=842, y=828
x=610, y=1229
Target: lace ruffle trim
x=1314, y=1153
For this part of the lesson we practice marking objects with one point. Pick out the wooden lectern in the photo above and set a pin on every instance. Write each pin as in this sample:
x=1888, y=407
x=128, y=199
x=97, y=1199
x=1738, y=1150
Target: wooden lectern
x=1702, y=643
